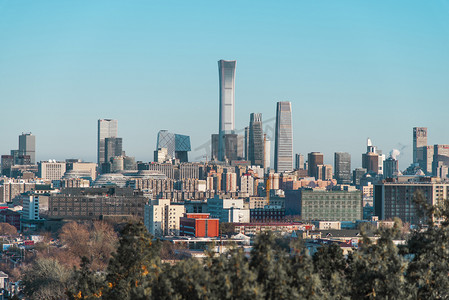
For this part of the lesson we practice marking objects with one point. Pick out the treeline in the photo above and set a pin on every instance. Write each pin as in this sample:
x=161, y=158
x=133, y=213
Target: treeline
x=275, y=269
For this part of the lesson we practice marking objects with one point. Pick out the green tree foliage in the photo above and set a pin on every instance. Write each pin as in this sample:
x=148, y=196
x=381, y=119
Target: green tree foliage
x=377, y=270
x=231, y=277
x=332, y=267
x=184, y=280
x=429, y=247
x=135, y=265
x=305, y=282
x=275, y=269
x=227, y=228
x=46, y=278
x=269, y=262
x=87, y=284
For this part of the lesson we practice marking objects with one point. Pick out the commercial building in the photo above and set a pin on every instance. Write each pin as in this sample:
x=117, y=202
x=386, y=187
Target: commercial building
x=232, y=146
x=395, y=198
x=357, y=174
x=299, y=161
x=440, y=163
x=27, y=146
x=93, y=203
x=256, y=140
x=314, y=159
x=427, y=162
x=162, y=218
x=419, y=142
x=80, y=169
x=342, y=163
x=256, y=228
x=199, y=225
x=107, y=128
x=247, y=184
x=283, y=147
x=52, y=169
x=391, y=167
x=268, y=213
x=246, y=143
x=113, y=146
x=324, y=172
x=30, y=205
x=161, y=155
x=228, y=210
x=322, y=205
x=6, y=164
x=226, y=72
x=177, y=145
x=266, y=153
x=373, y=159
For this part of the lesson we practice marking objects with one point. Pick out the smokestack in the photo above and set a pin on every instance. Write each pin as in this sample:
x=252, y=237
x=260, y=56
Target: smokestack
x=394, y=153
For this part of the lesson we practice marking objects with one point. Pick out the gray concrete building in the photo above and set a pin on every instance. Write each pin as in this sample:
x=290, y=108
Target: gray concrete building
x=342, y=163
x=256, y=140
x=27, y=146
x=107, y=128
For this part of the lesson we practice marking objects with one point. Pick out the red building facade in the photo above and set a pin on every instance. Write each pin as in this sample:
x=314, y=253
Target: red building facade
x=199, y=225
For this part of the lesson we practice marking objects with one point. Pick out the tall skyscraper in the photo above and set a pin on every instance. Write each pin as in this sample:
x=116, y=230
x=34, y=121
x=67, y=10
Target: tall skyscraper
x=256, y=140
x=246, y=143
x=27, y=146
x=299, y=161
x=315, y=159
x=266, y=152
x=107, y=128
x=342, y=162
x=440, y=159
x=113, y=147
x=419, y=141
x=226, y=72
x=373, y=159
x=177, y=145
x=391, y=167
x=283, y=144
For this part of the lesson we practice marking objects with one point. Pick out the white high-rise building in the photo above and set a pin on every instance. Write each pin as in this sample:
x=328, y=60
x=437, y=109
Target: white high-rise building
x=226, y=72
x=107, y=128
x=247, y=184
x=283, y=147
x=162, y=218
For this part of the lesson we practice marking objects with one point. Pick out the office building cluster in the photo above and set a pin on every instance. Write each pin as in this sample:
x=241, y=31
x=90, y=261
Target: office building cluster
x=235, y=184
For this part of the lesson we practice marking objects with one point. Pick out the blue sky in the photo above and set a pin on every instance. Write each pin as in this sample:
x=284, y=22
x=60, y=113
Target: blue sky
x=352, y=70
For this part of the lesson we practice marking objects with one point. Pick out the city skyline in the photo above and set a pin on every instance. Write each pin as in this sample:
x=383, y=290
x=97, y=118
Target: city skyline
x=364, y=71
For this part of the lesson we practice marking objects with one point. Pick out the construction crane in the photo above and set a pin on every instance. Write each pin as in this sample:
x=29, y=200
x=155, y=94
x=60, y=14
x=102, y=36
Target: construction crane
x=267, y=189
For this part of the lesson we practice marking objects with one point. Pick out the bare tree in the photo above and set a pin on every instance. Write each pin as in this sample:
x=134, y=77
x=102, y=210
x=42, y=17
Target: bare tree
x=7, y=229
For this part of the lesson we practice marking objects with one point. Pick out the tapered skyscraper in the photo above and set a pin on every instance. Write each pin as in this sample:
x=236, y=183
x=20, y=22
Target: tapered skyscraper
x=107, y=128
x=283, y=143
x=226, y=73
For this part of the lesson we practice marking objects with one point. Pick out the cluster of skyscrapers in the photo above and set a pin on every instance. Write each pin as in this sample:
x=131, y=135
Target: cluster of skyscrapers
x=238, y=169
x=432, y=160
x=253, y=146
